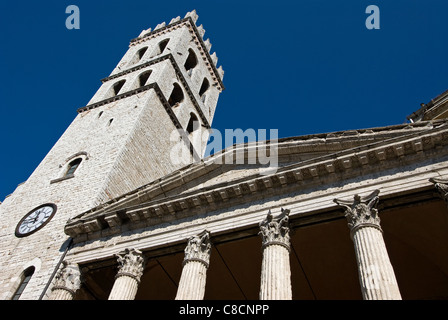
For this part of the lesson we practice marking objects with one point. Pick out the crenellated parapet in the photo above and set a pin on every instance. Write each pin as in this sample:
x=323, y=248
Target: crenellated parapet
x=197, y=32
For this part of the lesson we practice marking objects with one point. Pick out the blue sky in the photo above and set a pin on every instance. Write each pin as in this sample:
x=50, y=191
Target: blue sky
x=301, y=67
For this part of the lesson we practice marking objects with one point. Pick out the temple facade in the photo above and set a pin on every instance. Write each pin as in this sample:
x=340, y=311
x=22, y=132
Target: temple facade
x=109, y=213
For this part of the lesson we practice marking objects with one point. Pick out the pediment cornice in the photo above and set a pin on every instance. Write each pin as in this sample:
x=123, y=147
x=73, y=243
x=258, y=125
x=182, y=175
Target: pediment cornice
x=396, y=152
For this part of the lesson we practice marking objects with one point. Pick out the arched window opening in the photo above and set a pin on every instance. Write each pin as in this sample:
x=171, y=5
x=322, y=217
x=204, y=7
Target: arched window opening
x=193, y=123
x=138, y=55
x=100, y=114
x=177, y=96
x=191, y=61
x=163, y=44
x=118, y=86
x=72, y=166
x=160, y=47
x=204, y=87
x=141, y=53
x=25, y=279
x=144, y=77
x=110, y=122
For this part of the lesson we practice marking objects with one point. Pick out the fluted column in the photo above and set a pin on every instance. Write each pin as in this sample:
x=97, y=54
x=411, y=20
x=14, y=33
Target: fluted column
x=130, y=269
x=275, y=267
x=442, y=187
x=376, y=275
x=67, y=282
x=195, y=265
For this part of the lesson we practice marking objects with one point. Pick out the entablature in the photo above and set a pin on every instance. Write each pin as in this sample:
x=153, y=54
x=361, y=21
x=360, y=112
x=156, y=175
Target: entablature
x=290, y=151
x=398, y=154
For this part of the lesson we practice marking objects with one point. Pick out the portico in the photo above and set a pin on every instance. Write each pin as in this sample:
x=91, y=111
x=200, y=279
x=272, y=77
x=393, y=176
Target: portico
x=322, y=260
x=351, y=224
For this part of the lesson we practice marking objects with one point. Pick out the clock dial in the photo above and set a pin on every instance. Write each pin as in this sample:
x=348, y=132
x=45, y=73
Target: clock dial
x=35, y=220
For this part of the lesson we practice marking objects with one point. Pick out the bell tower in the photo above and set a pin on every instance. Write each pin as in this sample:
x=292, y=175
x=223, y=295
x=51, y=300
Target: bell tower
x=175, y=62
x=157, y=103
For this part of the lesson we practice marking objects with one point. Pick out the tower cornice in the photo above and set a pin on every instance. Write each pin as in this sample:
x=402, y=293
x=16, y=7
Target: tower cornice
x=181, y=77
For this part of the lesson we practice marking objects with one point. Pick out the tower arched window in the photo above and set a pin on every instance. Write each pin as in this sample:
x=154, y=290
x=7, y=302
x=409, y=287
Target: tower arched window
x=177, y=95
x=204, y=87
x=25, y=279
x=160, y=47
x=163, y=44
x=143, y=78
x=139, y=55
x=117, y=86
x=193, y=123
x=191, y=61
x=72, y=166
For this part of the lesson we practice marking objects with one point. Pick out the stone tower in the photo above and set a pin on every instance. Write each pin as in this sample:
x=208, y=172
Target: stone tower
x=157, y=103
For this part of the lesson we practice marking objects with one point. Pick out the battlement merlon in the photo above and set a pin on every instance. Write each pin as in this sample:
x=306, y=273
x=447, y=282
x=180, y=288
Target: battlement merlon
x=199, y=31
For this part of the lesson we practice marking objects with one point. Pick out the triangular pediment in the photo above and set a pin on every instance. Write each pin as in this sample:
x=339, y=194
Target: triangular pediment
x=301, y=162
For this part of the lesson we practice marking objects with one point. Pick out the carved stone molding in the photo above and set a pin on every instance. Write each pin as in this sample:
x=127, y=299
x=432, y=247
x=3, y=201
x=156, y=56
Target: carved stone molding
x=361, y=212
x=195, y=265
x=130, y=263
x=275, y=230
x=68, y=278
x=198, y=248
x=441, y=186
x=90, y=225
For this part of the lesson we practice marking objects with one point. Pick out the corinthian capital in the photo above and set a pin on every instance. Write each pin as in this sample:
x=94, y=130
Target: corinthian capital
x=198, y=248
x=361, y=211
x=275, y=230
x=68, y=278
x=441, y=186
x=130, y=263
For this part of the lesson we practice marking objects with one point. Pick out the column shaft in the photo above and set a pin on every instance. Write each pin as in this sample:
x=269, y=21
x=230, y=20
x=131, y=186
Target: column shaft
x=376, y=275
x=61, y=294
x=275, y=268
x=194, y=273
x=192, y=281
x=275, y=274
x=125, y=288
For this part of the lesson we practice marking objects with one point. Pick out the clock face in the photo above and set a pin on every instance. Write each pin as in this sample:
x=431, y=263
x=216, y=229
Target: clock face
x=35, y=219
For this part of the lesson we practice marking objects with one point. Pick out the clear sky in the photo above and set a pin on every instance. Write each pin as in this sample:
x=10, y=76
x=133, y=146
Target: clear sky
x=302, y=67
